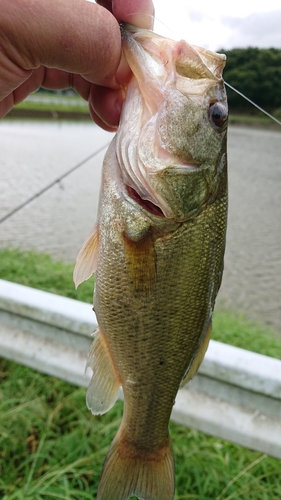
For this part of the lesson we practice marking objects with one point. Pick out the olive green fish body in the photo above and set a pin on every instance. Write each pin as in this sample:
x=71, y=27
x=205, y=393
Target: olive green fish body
x=158, y=252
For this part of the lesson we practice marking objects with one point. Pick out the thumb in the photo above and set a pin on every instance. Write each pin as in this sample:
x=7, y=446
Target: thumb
x=72, y=35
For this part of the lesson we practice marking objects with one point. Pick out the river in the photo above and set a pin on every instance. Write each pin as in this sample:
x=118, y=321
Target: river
x=34, y=154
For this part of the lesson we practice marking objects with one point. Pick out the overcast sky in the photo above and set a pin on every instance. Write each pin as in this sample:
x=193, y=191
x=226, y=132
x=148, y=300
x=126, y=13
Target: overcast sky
x=216, y=24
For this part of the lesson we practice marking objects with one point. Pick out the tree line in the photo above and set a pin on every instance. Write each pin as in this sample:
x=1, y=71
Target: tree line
x=257, y=74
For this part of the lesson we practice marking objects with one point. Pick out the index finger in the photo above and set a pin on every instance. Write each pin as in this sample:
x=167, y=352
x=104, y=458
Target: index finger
x=137, y=12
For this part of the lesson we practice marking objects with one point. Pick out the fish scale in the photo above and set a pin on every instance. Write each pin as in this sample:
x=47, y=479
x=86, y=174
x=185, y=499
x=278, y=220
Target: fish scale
x=157, y=251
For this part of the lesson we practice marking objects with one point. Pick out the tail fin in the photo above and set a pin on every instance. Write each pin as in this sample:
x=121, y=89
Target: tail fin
x=128, y=471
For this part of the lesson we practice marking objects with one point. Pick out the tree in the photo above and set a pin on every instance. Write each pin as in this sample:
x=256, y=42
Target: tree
x=257, y=74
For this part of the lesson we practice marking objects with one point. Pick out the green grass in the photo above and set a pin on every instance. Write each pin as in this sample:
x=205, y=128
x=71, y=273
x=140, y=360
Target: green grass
x=42, y=272
x=34, y=106
x=51, y=447
x=258, y=119
x=237, y=330
x=77, y=104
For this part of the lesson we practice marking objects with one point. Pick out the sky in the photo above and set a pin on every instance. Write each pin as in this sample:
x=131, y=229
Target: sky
x=217, y=24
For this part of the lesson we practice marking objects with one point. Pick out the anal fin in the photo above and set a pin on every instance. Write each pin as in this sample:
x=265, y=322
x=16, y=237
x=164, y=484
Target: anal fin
x=104, y=385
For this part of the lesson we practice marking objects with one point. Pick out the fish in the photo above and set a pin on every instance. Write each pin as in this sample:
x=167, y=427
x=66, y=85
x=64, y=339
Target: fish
x=157, y=251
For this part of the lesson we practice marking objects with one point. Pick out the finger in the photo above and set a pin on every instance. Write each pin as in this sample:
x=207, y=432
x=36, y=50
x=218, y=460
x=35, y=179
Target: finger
x=105, y=104
x=137, y=12
x=100, y=122
x=6, y=105
x=51, y=79
x=107, y=4
x=73, y=35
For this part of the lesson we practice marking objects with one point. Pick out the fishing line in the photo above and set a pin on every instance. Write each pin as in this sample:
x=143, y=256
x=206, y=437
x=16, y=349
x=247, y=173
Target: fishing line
x=253, y=103
x=49, y=186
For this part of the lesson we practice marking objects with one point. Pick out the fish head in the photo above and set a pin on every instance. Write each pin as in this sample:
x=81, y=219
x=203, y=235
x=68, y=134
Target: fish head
x=171, y=143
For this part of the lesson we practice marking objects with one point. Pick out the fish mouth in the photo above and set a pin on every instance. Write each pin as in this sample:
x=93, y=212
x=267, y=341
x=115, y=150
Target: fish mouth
x=147, y=205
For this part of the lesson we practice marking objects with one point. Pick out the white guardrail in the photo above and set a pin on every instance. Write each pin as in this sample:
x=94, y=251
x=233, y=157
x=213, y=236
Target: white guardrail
x=235, y=396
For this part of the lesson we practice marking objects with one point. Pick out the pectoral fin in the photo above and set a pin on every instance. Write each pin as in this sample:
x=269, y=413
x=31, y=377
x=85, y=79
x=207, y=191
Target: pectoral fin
x=86, y=262
x=104, y=386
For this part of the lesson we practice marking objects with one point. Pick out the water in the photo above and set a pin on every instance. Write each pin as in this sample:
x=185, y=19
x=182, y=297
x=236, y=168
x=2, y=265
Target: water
x=33, y=154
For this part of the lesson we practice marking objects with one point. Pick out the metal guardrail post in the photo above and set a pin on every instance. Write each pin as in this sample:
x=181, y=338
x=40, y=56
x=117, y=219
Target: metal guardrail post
x=235, y=396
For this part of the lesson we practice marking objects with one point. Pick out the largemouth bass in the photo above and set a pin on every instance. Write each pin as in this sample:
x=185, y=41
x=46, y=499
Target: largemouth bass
x=157, y=251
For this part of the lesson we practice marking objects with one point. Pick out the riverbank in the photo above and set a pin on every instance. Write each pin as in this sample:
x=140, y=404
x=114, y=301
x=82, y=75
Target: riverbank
x=49, y=114
x=256, y=121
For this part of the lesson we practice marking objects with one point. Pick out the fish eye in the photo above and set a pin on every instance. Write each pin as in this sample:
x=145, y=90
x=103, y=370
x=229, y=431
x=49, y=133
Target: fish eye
x=217, y=114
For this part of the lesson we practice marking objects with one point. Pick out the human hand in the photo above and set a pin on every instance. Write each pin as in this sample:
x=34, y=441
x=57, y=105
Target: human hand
x=58, y=44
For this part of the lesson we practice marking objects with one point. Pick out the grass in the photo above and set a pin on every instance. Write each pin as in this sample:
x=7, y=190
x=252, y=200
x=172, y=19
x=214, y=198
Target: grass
x=51, y=447
x=42, y=272
x=257, y=119
x=237, y=330
x=35, y=106
x=76, y=106
x=59, y=106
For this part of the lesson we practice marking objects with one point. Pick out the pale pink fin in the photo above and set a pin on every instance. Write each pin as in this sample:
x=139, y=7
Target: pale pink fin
x=127, y=471
x=104, y=386
x=199, y=358
x=86, y=261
